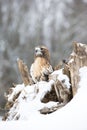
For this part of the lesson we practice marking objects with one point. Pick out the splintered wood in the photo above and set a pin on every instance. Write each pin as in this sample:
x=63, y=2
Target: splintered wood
x=77, y=59
x=24, y=72
x=59, y=92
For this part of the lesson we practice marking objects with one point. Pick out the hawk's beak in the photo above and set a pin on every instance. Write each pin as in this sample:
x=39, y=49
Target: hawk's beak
x=38, y=51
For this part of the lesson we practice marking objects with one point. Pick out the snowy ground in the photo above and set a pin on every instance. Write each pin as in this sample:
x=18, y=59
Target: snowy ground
x=71, y=117
x=0, y=118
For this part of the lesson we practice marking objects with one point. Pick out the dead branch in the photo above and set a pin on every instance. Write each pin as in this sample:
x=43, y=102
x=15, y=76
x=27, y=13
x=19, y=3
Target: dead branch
x=47, y=110
x=58, y=66
x=24, y=72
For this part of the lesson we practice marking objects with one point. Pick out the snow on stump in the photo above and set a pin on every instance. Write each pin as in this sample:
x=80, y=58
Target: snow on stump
x=24, y=101
x=27, y=99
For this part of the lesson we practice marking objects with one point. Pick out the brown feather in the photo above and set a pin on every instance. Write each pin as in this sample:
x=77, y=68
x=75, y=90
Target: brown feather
x=41, y=67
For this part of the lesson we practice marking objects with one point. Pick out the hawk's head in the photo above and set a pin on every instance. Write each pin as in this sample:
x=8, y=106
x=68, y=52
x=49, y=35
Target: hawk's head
x=42, y=51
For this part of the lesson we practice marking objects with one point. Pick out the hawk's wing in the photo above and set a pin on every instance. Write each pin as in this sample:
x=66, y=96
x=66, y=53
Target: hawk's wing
x=47, y=70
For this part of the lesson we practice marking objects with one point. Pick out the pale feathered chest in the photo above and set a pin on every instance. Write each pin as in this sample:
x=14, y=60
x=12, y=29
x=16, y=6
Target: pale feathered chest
x=40, y=68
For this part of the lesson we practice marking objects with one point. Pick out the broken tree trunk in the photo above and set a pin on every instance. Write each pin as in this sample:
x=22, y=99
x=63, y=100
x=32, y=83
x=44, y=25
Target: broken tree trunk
x=24, y=72
x=77, y=59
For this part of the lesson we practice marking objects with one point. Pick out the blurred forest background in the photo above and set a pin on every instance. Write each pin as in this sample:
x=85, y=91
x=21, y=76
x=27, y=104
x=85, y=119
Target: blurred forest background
x=25, y=24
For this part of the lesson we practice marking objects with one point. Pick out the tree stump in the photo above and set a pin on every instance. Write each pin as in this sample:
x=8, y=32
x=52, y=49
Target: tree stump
x=78, y=59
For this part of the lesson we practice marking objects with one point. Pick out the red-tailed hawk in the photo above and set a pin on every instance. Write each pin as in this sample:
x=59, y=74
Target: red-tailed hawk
x=41, y=67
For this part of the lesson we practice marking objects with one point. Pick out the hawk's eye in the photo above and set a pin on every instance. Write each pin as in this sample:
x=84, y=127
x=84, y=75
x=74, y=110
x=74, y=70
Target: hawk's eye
x=41, y=49
x=36, y=51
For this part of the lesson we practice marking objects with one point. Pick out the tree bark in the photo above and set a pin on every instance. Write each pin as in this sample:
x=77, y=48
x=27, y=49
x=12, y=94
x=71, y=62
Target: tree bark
x=24, y=72
x=77, y=59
